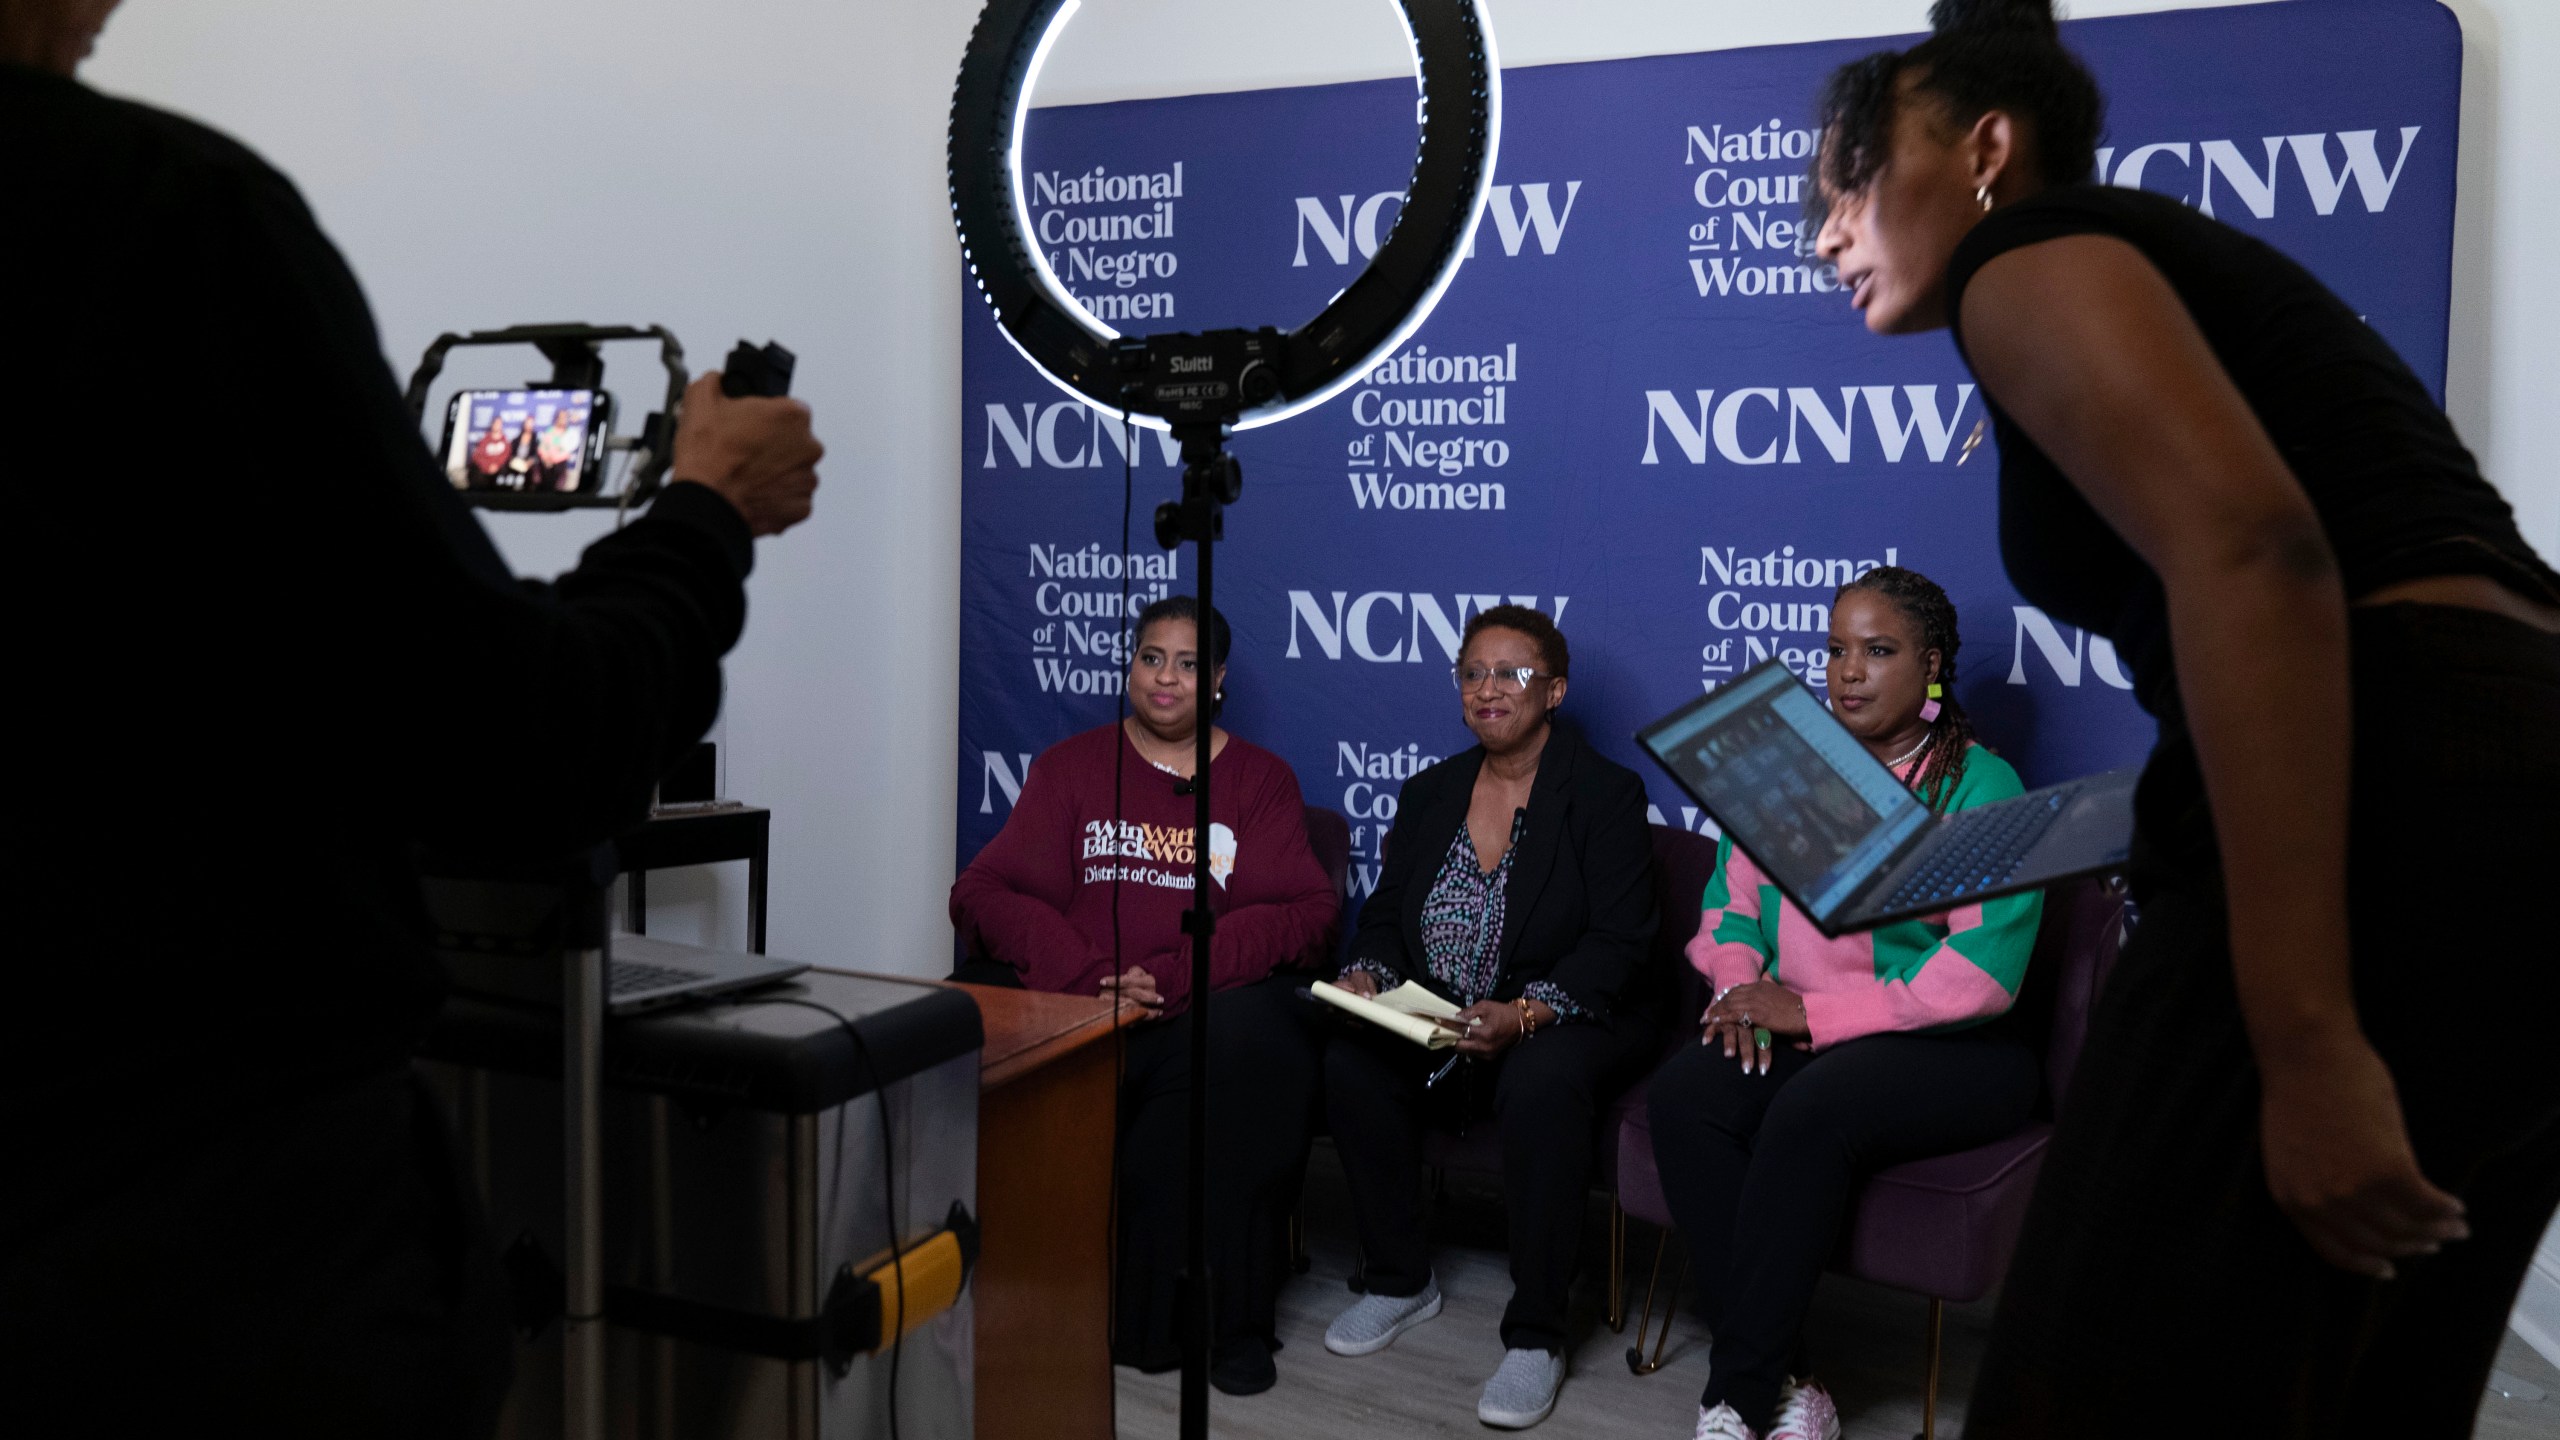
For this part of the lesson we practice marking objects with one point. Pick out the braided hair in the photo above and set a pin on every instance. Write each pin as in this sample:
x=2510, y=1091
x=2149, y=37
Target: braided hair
x=1927, y=607
x=1982, y=55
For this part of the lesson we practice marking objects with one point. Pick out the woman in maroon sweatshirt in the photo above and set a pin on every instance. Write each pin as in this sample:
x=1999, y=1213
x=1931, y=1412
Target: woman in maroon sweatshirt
x=1083, y=892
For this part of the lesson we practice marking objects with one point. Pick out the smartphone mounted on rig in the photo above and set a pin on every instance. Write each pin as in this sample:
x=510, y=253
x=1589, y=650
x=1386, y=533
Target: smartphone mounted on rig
x=525, y=442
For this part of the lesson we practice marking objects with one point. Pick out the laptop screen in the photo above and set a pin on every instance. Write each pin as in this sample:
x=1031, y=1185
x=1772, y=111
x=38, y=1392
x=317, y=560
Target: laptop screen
x=1792, y=787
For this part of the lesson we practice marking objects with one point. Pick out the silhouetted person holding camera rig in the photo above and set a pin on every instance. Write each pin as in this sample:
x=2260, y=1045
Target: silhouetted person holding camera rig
x=252, y=705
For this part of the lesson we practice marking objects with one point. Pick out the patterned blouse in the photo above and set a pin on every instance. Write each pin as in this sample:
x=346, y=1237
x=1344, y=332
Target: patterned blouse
x=1462, y=919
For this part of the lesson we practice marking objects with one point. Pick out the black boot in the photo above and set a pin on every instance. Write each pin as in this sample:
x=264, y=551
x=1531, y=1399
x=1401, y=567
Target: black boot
x=1242, y=1366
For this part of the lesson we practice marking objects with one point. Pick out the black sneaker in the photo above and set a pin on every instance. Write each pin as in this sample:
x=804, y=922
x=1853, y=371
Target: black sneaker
x=1243, y=1367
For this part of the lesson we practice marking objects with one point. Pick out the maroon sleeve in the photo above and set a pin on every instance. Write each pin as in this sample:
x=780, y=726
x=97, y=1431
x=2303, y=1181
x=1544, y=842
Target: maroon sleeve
x=1284, y=907
x=1011, y=903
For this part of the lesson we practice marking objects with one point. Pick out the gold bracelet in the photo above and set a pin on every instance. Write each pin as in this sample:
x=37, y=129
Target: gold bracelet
x=1528, y=1018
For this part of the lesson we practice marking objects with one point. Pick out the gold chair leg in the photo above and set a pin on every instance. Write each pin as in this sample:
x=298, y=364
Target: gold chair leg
x=1636, y=1361
x=1617, y=1267
x=1937, y=1337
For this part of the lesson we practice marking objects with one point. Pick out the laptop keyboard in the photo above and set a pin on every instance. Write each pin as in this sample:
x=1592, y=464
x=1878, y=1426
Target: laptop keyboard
x=630, y=977
x=1982, y=849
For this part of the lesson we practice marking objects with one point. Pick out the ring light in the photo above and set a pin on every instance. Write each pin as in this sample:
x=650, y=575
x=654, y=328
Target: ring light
x=1237, y=379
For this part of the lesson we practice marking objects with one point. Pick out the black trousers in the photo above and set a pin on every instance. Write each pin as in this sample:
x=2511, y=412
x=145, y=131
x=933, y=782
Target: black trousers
x=2155, y=1270
x=313, y=1268
x=1759, y=1170
x=1546, y=1093
x=1262, y=1085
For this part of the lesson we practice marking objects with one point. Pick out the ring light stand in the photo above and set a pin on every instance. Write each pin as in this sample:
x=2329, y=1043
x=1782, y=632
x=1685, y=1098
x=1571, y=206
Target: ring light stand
x=1207, y=386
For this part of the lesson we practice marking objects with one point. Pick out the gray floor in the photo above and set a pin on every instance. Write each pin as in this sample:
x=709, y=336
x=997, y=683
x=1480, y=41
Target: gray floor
x=1870, y=1341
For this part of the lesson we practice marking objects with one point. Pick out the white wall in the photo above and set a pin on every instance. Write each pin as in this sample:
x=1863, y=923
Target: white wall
x=757, y=167
x=774, y=168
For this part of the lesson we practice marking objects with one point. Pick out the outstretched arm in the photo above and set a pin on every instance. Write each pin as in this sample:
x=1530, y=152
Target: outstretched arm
x=468, y=709
x=2084, y=343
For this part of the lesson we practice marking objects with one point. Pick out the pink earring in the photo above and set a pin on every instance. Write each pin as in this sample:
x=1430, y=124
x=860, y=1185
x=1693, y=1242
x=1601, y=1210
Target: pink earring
x=1929, y=711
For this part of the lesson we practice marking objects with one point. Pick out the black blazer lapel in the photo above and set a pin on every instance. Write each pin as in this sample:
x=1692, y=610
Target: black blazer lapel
x=1549, y=797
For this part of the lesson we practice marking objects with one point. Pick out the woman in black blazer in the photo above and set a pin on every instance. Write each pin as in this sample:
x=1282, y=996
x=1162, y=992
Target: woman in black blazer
x=1517, y=884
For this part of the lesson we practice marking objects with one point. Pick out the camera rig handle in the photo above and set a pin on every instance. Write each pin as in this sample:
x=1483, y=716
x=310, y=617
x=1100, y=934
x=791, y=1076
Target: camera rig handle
x=577, y=363
x=753, y=371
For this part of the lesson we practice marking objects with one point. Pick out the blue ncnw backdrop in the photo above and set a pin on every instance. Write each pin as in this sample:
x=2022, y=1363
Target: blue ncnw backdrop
x=1644, y=407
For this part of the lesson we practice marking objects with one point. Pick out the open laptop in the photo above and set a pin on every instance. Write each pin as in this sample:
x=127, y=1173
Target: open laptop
x=645, y=974
x=640, y=974
x=1841, y=836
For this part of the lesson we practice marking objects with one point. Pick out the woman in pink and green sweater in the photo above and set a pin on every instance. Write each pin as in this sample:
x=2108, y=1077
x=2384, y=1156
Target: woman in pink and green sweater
x=1823, y=1060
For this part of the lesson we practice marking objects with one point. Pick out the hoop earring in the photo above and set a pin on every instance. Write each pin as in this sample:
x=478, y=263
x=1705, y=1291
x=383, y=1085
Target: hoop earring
x=1982, y=197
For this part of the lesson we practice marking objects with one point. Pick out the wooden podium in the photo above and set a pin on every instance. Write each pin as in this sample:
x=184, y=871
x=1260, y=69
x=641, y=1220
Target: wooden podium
x=1048, y=1112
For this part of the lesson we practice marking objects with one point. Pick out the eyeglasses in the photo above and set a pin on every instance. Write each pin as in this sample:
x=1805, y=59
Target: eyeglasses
x=1507, y=679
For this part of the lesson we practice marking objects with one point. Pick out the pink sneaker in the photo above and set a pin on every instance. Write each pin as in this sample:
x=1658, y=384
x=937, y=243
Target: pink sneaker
x=1805, y=1412
x=1721, y=1423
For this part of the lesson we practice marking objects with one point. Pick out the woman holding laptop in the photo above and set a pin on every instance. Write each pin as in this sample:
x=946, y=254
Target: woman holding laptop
x=2295, y=1190
x=1517, y=886
x=1823, y=1060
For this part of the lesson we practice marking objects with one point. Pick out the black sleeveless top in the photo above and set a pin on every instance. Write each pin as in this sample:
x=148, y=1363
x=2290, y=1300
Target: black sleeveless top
x=2396, y=492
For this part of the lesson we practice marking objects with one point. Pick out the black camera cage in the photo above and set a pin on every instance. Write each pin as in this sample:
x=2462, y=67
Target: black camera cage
x=577, y=363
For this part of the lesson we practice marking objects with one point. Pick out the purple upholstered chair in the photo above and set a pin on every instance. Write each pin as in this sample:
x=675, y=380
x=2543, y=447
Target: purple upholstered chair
x=1329, y=835
x=1682, y=864
x=1942, y=1227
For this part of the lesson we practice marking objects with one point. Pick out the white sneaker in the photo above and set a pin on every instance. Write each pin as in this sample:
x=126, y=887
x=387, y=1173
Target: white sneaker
x=1523, y=1391
x=1374, y=1321
x=1721, y=1423
x=1805, y=1412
